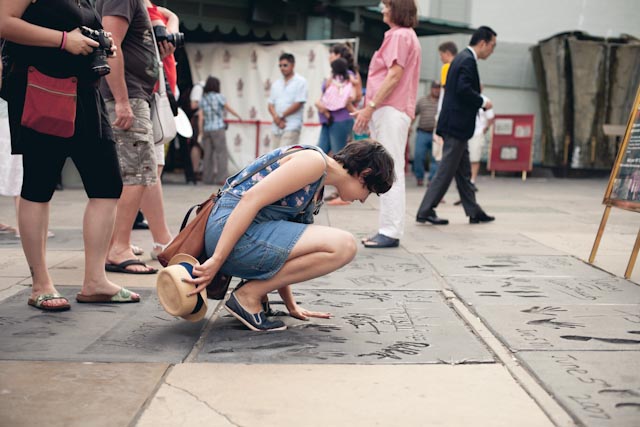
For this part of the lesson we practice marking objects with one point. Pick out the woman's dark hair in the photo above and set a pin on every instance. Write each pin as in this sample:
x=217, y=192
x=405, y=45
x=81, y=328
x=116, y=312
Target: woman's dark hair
x=212, y=85
x=339, y=67
x=404, y=13
x=363, y=154
x=345, y=52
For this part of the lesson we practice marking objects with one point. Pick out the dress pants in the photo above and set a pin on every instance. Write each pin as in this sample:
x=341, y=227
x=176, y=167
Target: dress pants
x=454, y=163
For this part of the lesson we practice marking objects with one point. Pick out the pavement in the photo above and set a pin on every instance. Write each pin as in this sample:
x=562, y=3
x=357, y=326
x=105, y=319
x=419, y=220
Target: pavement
x=500, y=324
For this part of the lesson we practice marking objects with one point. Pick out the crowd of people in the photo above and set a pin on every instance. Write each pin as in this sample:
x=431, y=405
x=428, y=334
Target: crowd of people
x=261, y=227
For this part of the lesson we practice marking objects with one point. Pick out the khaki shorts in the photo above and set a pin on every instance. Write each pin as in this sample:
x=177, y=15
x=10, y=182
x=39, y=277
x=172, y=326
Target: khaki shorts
x=290, y=137
x=135, y=146
x=475, y=147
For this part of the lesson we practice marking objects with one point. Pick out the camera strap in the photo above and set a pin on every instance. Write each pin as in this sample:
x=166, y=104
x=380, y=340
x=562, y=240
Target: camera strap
x=162, y=89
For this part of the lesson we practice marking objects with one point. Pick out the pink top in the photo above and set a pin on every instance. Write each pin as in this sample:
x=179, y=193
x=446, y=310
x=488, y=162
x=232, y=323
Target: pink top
x=400, y=46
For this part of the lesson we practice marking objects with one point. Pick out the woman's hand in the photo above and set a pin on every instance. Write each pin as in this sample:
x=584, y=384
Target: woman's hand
x=166, y=48
x=303, y=314
x=203, y=275
x=77, y=44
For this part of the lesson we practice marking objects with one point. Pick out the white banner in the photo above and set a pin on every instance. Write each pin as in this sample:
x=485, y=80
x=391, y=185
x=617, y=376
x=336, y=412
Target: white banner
x=246, y=72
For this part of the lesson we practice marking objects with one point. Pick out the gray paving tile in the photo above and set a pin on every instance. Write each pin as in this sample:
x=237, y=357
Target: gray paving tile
x=141, y=332
x=598, y=388
x=476, y=243
x=379, y=270
x=368, y=327
x=514, y=266
x=548, y=290
x=564, y=327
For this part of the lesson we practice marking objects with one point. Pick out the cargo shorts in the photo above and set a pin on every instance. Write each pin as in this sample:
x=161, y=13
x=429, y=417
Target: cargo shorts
x=135, y=146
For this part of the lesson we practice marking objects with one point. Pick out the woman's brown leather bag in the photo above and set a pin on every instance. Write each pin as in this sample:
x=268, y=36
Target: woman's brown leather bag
x=190, y=240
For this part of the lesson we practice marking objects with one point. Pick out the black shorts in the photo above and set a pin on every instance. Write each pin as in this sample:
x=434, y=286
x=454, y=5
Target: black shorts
x=97, y=163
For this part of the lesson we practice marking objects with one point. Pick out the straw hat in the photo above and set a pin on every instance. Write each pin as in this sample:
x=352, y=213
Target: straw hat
x=172, y=291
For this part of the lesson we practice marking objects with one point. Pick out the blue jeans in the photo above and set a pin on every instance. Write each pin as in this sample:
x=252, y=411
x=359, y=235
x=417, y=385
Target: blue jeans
x=333, y=138
x=424, y=143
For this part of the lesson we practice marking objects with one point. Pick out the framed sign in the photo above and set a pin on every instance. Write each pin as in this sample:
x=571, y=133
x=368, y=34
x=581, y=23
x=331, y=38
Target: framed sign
x=511, y=146
x=623, y=190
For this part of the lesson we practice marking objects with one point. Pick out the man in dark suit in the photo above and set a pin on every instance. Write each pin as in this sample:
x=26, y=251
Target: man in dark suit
x=456, y=125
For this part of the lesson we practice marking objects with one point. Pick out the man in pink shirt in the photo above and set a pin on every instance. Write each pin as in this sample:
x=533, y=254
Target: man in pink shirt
x=392, y=88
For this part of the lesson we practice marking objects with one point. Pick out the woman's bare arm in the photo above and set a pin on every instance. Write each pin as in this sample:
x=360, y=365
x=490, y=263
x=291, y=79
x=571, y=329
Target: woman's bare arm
x=299, y=170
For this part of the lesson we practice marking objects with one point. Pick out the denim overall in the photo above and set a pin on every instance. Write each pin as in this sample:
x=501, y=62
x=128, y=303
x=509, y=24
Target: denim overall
x=264, y=248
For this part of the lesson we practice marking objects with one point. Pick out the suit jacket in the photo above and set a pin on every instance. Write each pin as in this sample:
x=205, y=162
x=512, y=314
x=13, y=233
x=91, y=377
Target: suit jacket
x=461, y=98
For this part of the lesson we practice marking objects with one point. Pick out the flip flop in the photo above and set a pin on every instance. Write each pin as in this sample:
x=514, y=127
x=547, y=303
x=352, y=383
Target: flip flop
x=382, y=241
x=137, y=250
x=38, y=302
x=123, y=296
x=122, y=267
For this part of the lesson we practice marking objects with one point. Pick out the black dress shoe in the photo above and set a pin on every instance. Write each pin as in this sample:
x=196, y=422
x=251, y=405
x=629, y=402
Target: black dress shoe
x=433, y=218
x=481, y=217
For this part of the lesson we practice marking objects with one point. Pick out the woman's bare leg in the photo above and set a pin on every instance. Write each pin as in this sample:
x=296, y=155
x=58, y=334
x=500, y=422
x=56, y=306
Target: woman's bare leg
x=152, y=206
x=319, y=251
x=33, y=221
x=97, y=227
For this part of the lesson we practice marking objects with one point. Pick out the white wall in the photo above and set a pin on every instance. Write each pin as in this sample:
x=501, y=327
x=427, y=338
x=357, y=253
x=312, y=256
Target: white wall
x=529, y=21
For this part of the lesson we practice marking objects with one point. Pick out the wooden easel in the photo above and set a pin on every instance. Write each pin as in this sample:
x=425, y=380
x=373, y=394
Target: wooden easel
x=614, y=196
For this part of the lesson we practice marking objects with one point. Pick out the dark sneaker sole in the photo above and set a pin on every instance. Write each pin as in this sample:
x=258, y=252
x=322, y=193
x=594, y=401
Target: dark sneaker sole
x=249, y=325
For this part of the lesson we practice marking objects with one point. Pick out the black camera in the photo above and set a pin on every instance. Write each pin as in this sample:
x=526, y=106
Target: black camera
x=176, y=39
x=98, y=58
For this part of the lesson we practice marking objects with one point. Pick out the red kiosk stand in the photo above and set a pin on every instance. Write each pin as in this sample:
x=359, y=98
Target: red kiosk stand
x=511, y=148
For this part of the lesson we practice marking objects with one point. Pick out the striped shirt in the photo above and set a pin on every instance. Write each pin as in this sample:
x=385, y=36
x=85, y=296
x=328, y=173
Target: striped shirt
x=426, y=109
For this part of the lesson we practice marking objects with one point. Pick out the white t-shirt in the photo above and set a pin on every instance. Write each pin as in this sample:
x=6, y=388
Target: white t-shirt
x=482, y=118
x=196, y=92
x=283, y=95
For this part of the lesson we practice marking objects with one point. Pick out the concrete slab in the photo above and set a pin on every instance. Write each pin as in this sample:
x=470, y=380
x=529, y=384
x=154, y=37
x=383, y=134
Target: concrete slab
x=390, y=269
x=368, y=327
x=549, y=290
x=141, y=332
x=58, y=394
x=471, y=243
x=597, y=389
x=564, y=327
x=14, y=264
x=71, y=272
x=327, y=395
x=513, y=266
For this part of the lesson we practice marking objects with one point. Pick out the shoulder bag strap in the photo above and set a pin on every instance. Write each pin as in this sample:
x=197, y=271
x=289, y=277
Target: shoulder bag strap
x=162, y=88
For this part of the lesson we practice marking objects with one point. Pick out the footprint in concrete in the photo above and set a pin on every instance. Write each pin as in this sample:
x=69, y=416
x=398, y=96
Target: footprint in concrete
x=607, y=340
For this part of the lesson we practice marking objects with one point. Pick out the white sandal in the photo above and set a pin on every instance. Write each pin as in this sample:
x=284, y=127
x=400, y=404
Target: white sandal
x=137, y=250
x=158, y=248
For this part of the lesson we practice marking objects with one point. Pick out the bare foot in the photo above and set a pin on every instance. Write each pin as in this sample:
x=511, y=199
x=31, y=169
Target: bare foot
x=48, y=289
x=105, y=287
x=116, y=257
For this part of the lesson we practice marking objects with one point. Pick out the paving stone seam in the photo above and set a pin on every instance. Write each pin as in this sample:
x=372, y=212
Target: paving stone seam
x=152, y=395
x=529, y=383
x=199, y=344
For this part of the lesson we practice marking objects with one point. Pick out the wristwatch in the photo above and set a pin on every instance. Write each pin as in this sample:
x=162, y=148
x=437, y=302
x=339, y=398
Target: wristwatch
x=372, y=104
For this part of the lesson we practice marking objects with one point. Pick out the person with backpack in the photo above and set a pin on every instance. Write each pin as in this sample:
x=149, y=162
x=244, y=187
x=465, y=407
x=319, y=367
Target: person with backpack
x=211, y=135
x=334, y=110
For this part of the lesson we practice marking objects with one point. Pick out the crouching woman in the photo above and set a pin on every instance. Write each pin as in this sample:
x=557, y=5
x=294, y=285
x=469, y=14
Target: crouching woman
x=261, y=227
